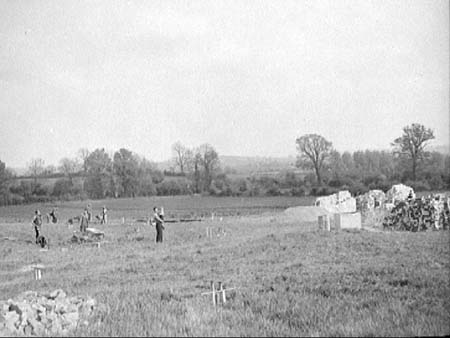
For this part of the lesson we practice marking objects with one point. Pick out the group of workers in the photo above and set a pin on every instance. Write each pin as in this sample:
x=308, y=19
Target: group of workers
x=86, y=217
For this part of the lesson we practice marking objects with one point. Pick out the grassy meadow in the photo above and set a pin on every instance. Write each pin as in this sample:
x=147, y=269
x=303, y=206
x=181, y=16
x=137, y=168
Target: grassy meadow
x=291, y=278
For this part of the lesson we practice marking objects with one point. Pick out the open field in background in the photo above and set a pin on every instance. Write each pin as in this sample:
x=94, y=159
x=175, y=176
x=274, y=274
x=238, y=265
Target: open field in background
x=174, y=206
x=292, y=278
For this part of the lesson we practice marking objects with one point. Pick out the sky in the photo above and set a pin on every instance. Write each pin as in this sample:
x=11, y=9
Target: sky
x=247, y=77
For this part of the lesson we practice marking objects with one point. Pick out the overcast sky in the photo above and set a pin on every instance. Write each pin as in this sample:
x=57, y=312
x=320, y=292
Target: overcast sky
x=248, y=77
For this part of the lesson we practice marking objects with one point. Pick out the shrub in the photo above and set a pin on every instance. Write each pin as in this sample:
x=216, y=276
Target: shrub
x=436, y=182
x=323, y=191
x=418, y=185
x=172, y=187
x=298, y=191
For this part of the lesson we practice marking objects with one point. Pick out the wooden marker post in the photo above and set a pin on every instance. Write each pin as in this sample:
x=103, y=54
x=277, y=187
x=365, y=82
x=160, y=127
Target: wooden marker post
x=216, y=293
x=213, y=290
x=209, y=232
x=37, y=273
x=123, y=220
x=222, y=290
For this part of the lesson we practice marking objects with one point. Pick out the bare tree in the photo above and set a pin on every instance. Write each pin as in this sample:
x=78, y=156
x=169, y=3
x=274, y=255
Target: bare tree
x=36, y=168
x=412, y=144
x=314, y=150
x=83, y=155
x=183, y=156
x=69, y=167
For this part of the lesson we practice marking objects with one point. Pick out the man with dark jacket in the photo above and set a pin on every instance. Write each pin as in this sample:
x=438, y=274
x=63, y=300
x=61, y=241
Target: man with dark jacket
x=159, y=223
x=37, y=223
x=84, y=221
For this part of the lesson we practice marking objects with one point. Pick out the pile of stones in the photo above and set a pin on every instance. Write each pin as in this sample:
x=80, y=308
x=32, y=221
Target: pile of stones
x=419, y=214
x=90, y=236
x=400, y=192
x=373, y=199
x=56, y=314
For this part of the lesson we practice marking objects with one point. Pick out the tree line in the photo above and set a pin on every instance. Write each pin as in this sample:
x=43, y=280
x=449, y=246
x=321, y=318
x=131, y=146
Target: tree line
x=97, y=174
x=408, y=162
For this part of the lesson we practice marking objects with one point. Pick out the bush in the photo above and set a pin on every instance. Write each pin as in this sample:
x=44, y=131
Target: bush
x=172, y=188
x=40, y=190
x=62, y=187
x=357, y=188
x=436, y=182
x=298, y=192
x=273, y=191
x=418, y=185
x=323, y=191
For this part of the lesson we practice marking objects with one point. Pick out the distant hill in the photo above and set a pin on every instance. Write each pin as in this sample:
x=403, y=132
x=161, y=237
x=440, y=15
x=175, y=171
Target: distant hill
x=247, y=164
x=256, y=164
x=252, y=164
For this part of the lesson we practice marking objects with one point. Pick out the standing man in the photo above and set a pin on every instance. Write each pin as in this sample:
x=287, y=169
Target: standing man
x=104, y=218
x=84, y=221
x=159, y=225
x=89, y=212
x=37, y=223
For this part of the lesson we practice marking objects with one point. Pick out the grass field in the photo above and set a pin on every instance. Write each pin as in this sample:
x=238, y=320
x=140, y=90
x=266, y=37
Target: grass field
x=174, y=206
x=292, y=279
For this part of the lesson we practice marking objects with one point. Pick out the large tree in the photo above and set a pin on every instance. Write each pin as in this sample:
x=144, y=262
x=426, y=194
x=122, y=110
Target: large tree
x=182, y=156
x=83, y=154
x=209, y=160
x=126, y=169
x=314, y=150
x=196, y=170
x=98, y=184
x=5, y=176
x=412, y=143
x=69, y=167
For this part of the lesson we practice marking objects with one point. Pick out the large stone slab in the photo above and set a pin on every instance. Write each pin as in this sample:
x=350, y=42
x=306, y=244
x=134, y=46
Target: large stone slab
x=348, y=220
x=324, y=222
x=337, y=203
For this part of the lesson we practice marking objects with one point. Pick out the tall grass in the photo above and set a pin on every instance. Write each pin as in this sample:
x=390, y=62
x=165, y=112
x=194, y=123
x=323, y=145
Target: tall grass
x=292, y=279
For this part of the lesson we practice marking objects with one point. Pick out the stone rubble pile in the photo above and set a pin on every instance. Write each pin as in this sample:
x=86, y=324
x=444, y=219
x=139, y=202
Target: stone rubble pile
x=32, y=313
x=374, y=199
x=399, y=192
x=90, y=236
x=337, y=203
x=419, y=214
